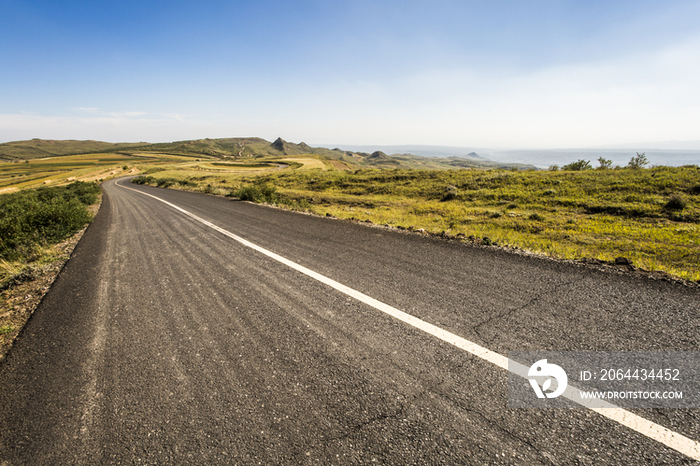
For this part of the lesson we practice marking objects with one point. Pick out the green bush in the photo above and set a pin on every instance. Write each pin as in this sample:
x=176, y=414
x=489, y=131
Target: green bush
x=161, y=182
x=578, y=166
x=144, y=180
x=676, y=202
x=638, y=161
x=32, y=219
x=258, y=193
x=605, y=164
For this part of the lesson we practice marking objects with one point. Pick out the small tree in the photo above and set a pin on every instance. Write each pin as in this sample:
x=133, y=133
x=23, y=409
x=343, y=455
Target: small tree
x=554, y=168
x=578, y=165
x=605, y=164
x=638, y=161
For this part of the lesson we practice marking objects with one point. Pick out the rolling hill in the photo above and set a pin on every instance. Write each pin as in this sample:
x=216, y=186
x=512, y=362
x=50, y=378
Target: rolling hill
x=226, y=148
x=41, y=148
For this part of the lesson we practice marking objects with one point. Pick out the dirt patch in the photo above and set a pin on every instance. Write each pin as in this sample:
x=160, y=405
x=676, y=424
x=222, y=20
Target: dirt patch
x=339, y=165
x=25, y=291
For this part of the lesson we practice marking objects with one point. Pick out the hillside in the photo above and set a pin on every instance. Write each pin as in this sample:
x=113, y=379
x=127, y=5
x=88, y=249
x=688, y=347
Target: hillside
x=40, y=148
x=226, y=148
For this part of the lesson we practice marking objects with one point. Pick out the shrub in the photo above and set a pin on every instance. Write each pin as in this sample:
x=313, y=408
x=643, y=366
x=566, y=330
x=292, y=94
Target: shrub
x=258, y=193
x=165, y=182
x=676, y=202
x=144, y=180
x=578, y=166
x=638, y=161
x=449, y=194
x=162, y=182
x=32, y=219
x=605, y=164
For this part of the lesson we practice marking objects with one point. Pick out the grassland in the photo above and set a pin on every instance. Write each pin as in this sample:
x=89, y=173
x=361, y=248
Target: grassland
x=649, y=216
x=53, y=171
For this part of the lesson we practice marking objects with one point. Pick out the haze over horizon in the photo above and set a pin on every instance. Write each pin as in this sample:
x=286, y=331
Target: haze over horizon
x=559, y=74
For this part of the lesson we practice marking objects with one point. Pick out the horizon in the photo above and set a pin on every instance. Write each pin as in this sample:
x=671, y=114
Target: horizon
x=506, y=75
x=669, y=146
x=540, y=158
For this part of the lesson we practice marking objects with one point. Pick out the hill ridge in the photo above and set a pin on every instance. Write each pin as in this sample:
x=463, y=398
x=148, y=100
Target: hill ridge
x=239, y=147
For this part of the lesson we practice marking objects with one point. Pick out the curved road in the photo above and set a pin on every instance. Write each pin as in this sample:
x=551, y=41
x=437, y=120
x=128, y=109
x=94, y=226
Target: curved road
x=166, y=341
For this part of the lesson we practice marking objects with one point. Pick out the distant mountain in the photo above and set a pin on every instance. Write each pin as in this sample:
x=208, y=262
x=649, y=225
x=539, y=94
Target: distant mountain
x=40, y=148
x=219, y=148
x=289, y=148
x=227, y=148
x=420, y=150
x=474, y=156
x=380, y=160
x=238, y=147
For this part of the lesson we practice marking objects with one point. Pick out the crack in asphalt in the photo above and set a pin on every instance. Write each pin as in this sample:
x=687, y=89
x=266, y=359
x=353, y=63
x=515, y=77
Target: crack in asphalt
x=478, y=327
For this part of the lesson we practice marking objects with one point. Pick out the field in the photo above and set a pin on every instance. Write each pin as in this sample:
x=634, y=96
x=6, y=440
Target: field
x=651, y=217
x=53, y=171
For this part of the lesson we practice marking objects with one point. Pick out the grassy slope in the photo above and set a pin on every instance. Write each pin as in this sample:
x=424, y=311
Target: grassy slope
x=243, y=148
x=89, y=167
x=573, y=215
x=39, y=148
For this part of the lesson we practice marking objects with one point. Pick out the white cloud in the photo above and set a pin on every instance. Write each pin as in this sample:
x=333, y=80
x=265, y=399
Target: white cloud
x=640, y=97
x=88, y=110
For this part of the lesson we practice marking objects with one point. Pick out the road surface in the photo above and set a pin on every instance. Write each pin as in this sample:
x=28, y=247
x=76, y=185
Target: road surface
x=167, y=339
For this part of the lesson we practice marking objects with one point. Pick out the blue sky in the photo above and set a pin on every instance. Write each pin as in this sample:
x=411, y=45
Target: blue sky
x=498, y=74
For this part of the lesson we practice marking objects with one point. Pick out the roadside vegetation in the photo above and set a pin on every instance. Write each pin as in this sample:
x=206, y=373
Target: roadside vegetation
x=38, y=230
x=651, y=217
x=32, y=221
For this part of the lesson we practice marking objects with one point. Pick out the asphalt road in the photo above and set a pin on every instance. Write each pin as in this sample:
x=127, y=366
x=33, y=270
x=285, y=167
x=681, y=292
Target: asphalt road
x=164, y=341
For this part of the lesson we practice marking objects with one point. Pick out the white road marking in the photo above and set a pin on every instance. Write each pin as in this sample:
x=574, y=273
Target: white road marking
x=650, y=429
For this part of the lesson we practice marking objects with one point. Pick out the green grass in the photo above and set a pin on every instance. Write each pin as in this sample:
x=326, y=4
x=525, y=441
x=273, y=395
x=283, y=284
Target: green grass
x=650, y=216
x=33, y=220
